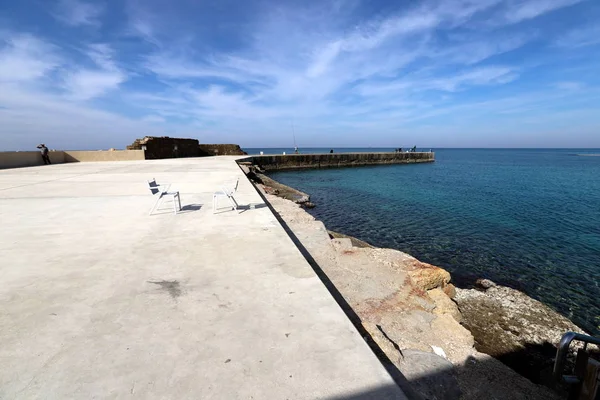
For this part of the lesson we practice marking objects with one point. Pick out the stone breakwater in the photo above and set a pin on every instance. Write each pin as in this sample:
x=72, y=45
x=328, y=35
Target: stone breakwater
x=334, y=160
x=435, y=334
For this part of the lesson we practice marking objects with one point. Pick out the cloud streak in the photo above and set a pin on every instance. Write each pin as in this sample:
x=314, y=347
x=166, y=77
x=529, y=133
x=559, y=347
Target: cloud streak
x=78, y=13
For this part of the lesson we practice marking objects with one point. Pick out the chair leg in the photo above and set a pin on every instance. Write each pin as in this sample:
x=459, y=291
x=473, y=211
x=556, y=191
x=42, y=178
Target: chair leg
x=214, y=203
x=233, y=202
x=179, y=200
x=155, y=204
x=174, y=205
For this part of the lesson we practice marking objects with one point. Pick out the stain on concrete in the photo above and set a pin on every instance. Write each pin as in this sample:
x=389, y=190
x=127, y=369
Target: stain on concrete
x=171, y=287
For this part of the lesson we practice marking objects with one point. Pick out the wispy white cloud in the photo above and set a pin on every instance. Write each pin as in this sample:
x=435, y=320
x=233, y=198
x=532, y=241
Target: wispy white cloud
x=26, y=58
x=569, y=85
x=79, y=12
x=86, y=83
x=580, y=37
x=522, y=10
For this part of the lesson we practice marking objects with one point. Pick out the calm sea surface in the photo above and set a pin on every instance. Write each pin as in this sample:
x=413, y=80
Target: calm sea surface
x=529, y=219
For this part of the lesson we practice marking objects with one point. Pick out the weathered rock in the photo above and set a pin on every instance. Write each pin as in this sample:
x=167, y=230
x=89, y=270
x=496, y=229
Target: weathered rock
x=514, y=328
x=484, y=283
x=427, y=276
x=450, y=290
x=270, y=190
x=443, y=304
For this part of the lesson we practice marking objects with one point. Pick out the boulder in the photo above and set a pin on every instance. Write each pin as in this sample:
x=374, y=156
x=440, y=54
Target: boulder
x=444, y=304
x=427, y=276
x=516, y=329
x=484, y=283
x=450, y=290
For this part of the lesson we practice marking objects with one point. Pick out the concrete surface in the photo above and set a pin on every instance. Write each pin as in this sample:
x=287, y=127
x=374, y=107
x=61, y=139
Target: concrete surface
x=100, y=300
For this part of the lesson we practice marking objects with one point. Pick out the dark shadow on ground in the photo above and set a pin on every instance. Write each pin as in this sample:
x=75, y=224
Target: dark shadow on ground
x=184, y=209
x=477, y=379
x=246, y=207
x=190, y=208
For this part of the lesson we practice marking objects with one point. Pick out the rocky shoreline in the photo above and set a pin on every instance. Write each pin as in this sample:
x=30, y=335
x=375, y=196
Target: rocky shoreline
x=448, y=343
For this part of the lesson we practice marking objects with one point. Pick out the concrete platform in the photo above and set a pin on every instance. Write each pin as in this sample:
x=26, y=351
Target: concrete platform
x=100, y=300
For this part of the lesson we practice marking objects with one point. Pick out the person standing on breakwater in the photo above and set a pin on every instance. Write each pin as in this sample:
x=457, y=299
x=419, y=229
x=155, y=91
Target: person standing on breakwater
x=331, y=151
x=44, y=151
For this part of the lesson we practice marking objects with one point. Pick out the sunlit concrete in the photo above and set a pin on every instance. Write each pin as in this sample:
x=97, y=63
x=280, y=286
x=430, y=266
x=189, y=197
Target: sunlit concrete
x=101, y=300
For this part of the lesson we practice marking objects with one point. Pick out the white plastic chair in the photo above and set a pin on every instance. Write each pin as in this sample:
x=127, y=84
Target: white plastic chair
x=227, y=192
x=157, y=189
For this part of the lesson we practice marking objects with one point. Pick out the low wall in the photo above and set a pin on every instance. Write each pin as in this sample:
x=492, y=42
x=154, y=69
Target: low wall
x=17, y=159
x=111, y=155
x=220, y=150
x=335, y=160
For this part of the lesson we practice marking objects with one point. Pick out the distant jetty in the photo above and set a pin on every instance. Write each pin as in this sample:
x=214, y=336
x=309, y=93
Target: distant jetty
x=334, y=160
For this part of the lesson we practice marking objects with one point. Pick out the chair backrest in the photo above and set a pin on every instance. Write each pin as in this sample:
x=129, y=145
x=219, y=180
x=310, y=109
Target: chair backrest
x=153, y=186
x=230, y=190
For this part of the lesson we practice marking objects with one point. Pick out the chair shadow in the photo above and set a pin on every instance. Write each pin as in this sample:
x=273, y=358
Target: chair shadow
x=184, y=209
x=190, y=208
x=240, y=208
x=246, y=207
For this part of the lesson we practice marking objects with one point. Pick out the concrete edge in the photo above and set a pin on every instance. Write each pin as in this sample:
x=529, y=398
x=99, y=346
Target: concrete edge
x=385, y=361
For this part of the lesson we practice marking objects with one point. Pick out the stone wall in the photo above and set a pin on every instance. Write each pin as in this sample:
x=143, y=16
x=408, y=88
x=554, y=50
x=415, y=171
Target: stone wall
x=166, y=147
x=335, y=160
x=17, y=159
x=221, y=150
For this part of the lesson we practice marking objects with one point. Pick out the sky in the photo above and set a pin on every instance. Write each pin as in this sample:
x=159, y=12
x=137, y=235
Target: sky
x=78, y=74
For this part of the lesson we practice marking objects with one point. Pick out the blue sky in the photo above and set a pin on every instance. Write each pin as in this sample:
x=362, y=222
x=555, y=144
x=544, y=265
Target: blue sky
x=450, y=73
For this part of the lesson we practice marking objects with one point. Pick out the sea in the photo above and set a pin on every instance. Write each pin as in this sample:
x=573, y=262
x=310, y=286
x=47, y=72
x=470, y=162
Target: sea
x=524, y=218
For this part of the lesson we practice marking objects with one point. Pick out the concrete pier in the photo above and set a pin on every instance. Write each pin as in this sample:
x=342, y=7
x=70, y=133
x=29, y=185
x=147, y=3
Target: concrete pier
x=335, y=160
x=101, y=300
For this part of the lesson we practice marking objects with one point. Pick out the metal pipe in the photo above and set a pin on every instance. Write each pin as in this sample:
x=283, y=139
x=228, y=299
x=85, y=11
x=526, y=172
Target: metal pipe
x=563, y=351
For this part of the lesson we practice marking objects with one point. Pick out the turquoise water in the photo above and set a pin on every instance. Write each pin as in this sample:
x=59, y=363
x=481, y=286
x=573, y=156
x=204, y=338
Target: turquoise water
x=529, y=219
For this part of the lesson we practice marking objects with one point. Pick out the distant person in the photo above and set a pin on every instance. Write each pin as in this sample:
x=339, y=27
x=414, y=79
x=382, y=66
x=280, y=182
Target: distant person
x=414, y=149
x=296, y=150
x=44, y=151
x=331, y=151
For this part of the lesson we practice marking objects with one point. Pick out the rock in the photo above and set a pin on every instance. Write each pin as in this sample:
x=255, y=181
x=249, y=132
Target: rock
x=450, y=290
x=427, y=276
x=444, y=304
x=270, y=190
x=307, y=204
x=484, y=377
x=516, y=329
x=429, y=374
x=303, y=199
x=484, y=283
